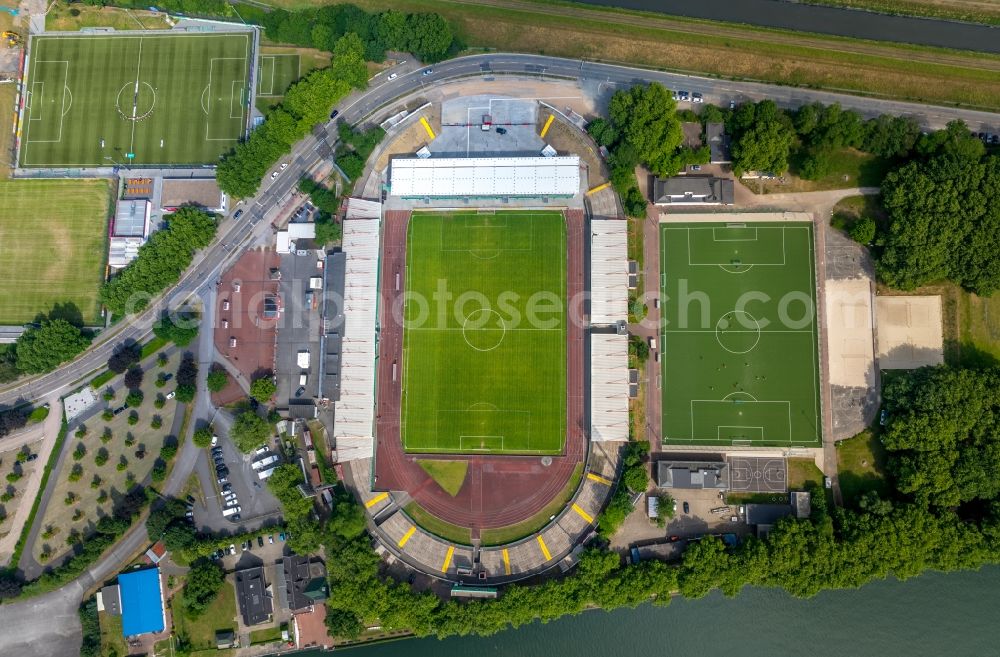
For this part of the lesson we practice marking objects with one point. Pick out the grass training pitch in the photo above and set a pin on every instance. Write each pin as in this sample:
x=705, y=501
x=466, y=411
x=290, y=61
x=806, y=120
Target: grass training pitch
x=135, y=100
x=52, y=239
x=276, y=73
x=484, y=364
x=739, y=343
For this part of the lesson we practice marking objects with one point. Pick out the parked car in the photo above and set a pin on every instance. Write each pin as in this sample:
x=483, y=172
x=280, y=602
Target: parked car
x=260, y=450
x=274, y=175
x=281, y=536
x=883, y=417
x=828, y=482
x=284, y=165
x=687, y=508
x=237, y=214
x=697, y=98
x=301, y=391
x=732, y=104
x=270, y=539
x=31, y=457
x=501, y=131
x=427, y=71
x=392, y=76
x=236, y=517
x=215, y=441
x=696, y=167
x=260, y=541
x=226, y=488
x=232, y=548
x=222, y=480
x=171, y=394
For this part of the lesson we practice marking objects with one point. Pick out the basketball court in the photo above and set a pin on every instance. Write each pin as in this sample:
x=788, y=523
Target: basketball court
x=757, y=475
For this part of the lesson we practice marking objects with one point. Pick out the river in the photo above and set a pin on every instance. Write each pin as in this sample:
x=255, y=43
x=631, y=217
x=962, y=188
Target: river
x=931, y=615
x=827, y=20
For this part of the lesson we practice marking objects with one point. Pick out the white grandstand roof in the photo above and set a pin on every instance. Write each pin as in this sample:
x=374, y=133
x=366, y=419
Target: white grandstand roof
x=608, y=271
x=354, y=411
x=608, y=387
x=359, y=208
x=485, y=176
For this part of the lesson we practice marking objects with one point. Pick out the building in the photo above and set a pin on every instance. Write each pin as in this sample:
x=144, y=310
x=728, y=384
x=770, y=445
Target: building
x=253, y=596
x=485, y=177
x=764, y=516
x=225, y=639
x=109, y=600
x=305, y=582
x=609, y=277
x=693, y=190
x=692, y=475
x=156, y=553
x=609, y=387
x=294, y=237
x=718, y=142
x=129, y=230
x=200, y=192
x=141, y=602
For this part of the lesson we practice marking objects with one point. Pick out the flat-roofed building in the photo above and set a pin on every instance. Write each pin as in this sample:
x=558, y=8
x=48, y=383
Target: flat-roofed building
x=200, y=192
x=485, y=177
x=693, y=190
x=252, y=596
x=692, y=474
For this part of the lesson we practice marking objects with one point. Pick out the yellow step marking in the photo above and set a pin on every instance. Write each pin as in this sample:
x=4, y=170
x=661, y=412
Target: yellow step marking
x=594, y=190
x=375, y=500
x=506, y=562
x=406, y=536
x=583, y=514
x=447, y=558
x=545, y=549
x=598, y=478
x=427, y=127
x=545, y=128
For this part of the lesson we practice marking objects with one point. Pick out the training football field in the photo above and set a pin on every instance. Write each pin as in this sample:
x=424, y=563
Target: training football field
x=739, y=351
x=484, y=347
x=129, y=100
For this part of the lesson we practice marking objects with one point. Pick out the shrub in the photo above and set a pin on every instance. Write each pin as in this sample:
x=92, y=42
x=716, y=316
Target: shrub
x=203, y=437
x=108, y=415
x=168, y=451
x=14, y=476
x=156, y=422
x=101, y=499
x=76, y=473
x=263, y=389
x=122, y=465
x=129, y=439
x=81, y=431
x=101, y=457
x=7, y=496
x=79, y=512
x=217, y=379
x=70, y=499
x=159, y=471
x=160, y=402
x=108, y=395
x=106, y=436
x=133, y=418
x=161, y=360
x=160, y=381
x=79, y=452
x=636, y=478
x=863, y=232
x=95, y=483
x=133, y=378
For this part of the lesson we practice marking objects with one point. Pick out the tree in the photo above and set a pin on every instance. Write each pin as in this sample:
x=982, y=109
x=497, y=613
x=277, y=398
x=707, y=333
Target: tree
x=134, y=398
x=184, y=393
x=181, y=332
x=203, y=437
x=218, y=379
x=249, y=431
x=161, y=260
x=262, y=389
x=602, y=131
x=636, y=478
x=644, y=118
x=762, y=138
x=204, y=580
x=634, y=202
x=53, y=342
x=863, y=231
x=133, y=378
x=124, y=357
x=343, y=624
x=944, y=223
x=429, y=36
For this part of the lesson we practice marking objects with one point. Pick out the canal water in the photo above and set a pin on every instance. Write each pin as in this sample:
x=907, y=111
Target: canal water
x=935, y=614
x=827, y=20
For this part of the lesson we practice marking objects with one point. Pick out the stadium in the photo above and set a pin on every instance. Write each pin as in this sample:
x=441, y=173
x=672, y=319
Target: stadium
x=489, y=461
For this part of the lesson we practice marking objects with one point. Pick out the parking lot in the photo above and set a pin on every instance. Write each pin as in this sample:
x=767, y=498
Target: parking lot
x=299, y=330
x=461, y=131
x=257, y=506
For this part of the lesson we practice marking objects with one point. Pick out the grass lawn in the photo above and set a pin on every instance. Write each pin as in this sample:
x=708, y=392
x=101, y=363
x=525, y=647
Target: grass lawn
x=91, y=502
x=738, y=373
x=802, y=472
x=220, y=615
x=576, y=31
x=52, y=236
x=112, y=641
x=436, y=526
x=975, y=11
x=266, y=635
x=849, y=167
x=280, y=66
x=979, y=329
x=161, y=98
x=849, y=210
x=449, y=475
x=62, y=17
x=484, y=363
x=861, y=467
x=511, y=533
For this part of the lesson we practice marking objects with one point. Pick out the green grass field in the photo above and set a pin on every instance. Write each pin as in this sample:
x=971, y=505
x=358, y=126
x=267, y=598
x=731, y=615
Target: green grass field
x=276, y=73
x=484, y=364
x=739, y=342
x=52, y=242
x=162, y=98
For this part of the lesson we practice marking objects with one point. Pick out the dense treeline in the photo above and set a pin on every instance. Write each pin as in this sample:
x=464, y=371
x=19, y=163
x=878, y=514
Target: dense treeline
x=944, y=215
x=327, y=203
x=360, y=145
x=305, y=104
x=44, y=347
x=161, y=261
x=428, y=36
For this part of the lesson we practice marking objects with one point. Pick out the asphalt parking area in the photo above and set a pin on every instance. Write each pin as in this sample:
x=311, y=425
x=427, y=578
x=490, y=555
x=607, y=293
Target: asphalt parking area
x=758, y=475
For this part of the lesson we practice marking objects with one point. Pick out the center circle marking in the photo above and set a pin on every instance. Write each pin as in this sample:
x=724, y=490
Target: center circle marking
x=481, y=331
x=733, y=334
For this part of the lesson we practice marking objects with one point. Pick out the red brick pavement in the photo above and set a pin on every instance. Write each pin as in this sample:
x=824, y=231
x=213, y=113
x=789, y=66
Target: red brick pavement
x=499, y=490
x=254, y=350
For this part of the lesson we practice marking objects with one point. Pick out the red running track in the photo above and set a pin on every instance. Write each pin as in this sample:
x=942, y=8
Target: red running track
x=498, y=490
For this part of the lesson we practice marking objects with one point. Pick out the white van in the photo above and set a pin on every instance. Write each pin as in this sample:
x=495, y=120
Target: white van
x=652, y=343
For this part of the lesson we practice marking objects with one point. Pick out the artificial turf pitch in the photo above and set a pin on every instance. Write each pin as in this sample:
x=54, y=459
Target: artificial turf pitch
x=480, y=375
x=276, y=72
x=739, y=350
x=159, y=98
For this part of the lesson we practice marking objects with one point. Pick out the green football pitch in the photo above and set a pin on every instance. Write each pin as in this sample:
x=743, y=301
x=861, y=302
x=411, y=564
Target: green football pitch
x=135, y=100
x=484, y=348
x=739, y=351
x=276, y=73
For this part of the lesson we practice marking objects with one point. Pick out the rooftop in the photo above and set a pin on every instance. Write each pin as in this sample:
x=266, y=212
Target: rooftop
x=693, y=190
x=490, y=177
x=251, y=592
x=692, y=474
x=141, y=602
x=718, y=142
x=203, y=192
